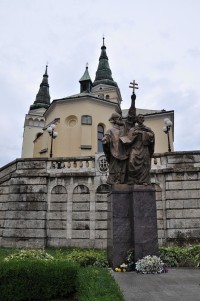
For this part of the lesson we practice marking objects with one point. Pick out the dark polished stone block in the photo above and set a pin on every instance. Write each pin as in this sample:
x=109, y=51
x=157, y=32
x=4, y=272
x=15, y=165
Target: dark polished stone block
x=122, y=231
x=133, y=222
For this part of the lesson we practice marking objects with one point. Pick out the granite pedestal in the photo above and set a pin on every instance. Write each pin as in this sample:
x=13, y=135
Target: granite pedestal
x=132, y=222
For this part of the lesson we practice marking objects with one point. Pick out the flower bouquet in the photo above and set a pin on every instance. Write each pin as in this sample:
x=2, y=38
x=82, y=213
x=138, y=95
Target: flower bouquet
x=128, y=266
x=150, y=265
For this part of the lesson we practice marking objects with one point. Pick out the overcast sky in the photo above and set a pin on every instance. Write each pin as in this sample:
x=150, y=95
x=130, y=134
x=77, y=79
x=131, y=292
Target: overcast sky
x=155, y=42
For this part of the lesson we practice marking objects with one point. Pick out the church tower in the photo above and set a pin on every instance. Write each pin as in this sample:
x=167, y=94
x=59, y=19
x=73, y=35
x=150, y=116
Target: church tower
x=34, y=120
x=104, y=86
x=85, y=82
x=82, y=119
x=104, y=74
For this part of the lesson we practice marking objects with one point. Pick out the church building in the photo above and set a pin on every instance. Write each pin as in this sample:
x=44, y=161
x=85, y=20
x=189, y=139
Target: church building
x=56, y=194
x=78, y=122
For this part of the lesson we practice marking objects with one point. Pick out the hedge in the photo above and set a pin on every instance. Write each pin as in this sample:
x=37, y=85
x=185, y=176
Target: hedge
x=37, y=280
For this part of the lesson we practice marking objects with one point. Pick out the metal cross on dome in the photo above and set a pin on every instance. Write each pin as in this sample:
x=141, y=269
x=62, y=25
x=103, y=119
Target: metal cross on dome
x=134, y=86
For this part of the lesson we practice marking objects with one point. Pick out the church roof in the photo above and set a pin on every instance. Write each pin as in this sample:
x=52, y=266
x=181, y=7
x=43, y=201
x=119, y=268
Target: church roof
x=104, y=74
x=85, y=76
x=43, y=97
x=82, y=96
x=142, y=111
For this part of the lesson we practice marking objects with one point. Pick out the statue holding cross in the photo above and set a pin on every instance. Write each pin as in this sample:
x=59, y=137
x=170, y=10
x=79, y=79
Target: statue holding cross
x=129, y=147
x=132, y=197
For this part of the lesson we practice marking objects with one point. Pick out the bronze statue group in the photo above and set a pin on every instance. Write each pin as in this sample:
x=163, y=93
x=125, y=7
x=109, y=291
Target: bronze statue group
x=128, y=147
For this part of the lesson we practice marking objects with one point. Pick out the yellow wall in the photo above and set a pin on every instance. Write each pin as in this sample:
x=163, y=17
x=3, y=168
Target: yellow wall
x=71, y=133
x=41, y=144
x=156, y=123
x=32, y=127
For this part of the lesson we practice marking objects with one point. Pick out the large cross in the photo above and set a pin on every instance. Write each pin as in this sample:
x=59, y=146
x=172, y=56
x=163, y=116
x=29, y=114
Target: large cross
x=134, y=86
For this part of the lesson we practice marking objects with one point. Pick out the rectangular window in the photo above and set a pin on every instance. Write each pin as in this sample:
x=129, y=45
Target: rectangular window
x=86, y=119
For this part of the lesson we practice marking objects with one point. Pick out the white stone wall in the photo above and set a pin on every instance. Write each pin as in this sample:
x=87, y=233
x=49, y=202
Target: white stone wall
x=177, y=182
x=23, y=196
x=46, y=203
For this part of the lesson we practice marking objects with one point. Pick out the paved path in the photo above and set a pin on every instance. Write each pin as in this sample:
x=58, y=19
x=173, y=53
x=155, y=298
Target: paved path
x=178, y=284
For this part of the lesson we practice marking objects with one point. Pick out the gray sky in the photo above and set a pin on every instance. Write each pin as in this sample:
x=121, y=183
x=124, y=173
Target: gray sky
x=155, y=42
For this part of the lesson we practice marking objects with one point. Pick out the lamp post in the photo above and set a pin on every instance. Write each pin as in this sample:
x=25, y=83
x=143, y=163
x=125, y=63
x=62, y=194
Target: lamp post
x=166, y=130
x=53, y=134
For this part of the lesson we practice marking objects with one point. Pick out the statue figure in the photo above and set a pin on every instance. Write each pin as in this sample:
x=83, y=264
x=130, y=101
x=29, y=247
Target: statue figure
x=142, y=142
x=129, y=148
x=115, y=150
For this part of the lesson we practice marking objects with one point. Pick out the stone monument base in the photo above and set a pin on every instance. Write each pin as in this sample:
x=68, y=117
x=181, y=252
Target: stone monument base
x=132, y=222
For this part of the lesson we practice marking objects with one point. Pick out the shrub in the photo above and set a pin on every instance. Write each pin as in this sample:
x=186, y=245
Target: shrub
x=85, y=257
x=188, y=256
x=97, y=284
x=197, y=260
x=29, y=254
x=22, y=280
x=88, y=258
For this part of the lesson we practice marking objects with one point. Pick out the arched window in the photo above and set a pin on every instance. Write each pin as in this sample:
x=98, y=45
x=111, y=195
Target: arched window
x=36, y=122
x=41, y=124
x=30, y=122
x=100, y=135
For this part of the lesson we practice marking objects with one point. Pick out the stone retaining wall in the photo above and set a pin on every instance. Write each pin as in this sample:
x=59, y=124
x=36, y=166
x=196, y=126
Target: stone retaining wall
x=63, y=202
x=177, y=182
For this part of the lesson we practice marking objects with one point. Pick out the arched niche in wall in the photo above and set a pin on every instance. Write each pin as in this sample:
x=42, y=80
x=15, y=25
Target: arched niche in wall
x=79, y=189
x=58, y=189
x=101, y=194
x=103, y=188
x=101, y=209
x=57, y=223
x=71, y=121
x=81, y=212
